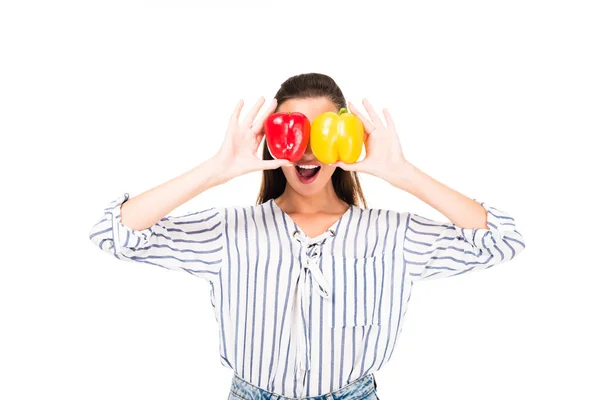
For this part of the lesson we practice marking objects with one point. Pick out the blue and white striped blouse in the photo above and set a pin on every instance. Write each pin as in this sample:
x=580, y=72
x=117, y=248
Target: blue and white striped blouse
x=302, y=316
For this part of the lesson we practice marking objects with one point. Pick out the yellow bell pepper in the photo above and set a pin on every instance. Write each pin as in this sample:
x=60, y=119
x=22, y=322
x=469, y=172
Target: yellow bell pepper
x=337, y=137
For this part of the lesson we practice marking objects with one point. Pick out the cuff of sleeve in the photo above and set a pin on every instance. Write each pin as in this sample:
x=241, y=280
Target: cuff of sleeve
x=496, y=221
x=123, y=236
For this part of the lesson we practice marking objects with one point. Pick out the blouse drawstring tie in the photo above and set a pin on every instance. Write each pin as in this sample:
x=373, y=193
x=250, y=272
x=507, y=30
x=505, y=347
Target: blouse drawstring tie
x=310, y=258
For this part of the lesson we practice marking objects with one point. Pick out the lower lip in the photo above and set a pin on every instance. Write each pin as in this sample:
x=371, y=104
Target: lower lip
x=307, y=180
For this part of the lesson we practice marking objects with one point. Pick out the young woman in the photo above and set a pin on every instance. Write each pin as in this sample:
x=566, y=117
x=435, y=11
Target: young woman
x=308, y=288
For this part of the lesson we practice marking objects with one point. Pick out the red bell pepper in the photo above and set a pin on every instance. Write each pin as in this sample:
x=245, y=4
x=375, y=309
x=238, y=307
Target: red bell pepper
x=287, y=135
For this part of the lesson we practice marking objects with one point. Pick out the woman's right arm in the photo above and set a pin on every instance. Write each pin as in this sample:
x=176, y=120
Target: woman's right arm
x=143, y=211
x=138, y=228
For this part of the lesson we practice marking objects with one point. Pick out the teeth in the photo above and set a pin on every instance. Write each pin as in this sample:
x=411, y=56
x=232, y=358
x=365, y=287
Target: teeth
x=307, y=166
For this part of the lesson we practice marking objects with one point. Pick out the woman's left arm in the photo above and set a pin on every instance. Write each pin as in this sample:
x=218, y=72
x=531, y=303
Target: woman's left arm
x=478, y=236
x=458, y=208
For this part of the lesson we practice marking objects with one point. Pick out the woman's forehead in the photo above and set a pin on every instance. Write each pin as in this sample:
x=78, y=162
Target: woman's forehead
x=311, y=107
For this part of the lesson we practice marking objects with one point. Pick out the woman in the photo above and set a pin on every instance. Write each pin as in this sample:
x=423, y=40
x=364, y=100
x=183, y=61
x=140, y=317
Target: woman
x=309, y=289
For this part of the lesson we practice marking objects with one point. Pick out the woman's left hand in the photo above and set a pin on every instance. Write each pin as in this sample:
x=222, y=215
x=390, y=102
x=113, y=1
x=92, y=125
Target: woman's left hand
x=384, y=157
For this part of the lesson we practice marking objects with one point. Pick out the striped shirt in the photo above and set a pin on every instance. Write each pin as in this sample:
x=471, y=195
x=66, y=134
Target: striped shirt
x=301, y=316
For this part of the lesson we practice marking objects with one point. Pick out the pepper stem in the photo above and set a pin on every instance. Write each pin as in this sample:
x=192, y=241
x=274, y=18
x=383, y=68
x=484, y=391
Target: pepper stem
x=343, y=111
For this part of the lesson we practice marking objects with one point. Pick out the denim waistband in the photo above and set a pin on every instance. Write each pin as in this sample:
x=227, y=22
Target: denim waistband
x=354, y=390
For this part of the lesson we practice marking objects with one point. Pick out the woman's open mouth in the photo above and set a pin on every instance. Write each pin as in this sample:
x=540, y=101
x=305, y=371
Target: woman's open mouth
x=307, y=173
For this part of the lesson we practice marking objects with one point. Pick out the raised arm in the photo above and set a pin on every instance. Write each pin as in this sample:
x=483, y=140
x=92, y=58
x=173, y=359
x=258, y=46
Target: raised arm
x=138, y=228
x=478, y=235
x=145, y=210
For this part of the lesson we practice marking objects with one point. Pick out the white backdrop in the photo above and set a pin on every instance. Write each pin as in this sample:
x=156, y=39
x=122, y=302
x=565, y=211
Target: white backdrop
x=498, y=100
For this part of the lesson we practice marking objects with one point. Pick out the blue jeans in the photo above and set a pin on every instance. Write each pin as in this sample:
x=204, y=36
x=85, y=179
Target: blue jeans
x=361, y=389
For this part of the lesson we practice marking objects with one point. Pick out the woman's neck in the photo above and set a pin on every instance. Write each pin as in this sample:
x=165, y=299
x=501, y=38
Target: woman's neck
x=325, y=201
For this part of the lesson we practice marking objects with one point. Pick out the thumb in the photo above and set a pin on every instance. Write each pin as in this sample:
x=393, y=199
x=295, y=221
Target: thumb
x=273, y=164
x=347, y=167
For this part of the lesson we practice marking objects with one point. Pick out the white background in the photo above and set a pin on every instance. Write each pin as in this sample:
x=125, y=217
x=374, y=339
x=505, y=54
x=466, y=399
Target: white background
x=499, y=100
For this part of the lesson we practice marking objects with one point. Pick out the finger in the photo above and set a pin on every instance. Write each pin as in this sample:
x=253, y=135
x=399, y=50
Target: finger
x=348, y=167
x=273, y=164
x=388, y=119
x=258, y=125
x=371, y=111
x=369, y=127
x=253, y=111
x=235, y=116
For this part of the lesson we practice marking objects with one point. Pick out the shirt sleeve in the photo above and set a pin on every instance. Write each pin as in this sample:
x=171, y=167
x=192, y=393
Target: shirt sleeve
x=434, y=249
x=192, y=242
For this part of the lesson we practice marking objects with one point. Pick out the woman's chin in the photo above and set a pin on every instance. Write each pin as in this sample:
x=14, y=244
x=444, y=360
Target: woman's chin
x=307, y=188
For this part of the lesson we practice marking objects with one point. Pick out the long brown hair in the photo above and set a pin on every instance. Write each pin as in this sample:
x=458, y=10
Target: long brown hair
x=305, y=86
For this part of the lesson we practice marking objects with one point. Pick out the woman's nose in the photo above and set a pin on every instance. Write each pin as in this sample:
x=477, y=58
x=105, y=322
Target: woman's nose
x=308, y=148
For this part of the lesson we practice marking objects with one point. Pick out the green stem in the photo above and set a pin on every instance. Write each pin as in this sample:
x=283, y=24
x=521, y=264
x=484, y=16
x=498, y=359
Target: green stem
x=343, y=111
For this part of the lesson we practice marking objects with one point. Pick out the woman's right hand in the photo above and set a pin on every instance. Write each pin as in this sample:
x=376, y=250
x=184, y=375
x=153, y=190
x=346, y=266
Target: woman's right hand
x=238, y=153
